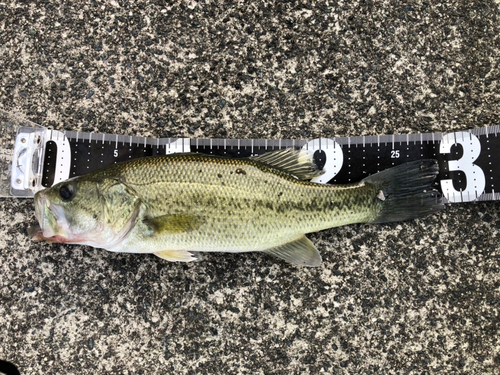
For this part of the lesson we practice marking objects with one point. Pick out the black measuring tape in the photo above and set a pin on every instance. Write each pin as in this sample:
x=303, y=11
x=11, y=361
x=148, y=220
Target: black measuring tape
x=466, y=158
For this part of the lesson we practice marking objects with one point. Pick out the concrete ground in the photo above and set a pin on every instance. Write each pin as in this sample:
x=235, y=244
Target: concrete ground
x=418, y=297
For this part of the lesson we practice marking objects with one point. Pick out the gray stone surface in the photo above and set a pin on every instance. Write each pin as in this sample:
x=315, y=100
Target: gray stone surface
x=406, y=298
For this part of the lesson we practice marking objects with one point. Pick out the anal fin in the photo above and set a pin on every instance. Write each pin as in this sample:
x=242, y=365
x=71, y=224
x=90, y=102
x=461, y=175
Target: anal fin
x=301, y=252
x=178, y=256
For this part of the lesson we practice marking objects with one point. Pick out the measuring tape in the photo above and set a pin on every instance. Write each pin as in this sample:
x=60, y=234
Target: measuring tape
x=42, y=157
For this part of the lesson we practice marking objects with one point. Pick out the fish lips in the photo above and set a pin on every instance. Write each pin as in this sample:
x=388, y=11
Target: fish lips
x=52, y=221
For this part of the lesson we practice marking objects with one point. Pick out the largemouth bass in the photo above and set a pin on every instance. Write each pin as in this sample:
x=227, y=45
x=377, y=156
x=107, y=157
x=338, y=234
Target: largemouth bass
x=179, y=205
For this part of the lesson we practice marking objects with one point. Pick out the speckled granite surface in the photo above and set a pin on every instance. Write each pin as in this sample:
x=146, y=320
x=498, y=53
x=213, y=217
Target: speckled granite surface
x=407, y=298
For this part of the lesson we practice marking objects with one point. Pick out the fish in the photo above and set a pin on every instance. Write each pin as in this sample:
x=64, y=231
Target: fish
x=178, y=206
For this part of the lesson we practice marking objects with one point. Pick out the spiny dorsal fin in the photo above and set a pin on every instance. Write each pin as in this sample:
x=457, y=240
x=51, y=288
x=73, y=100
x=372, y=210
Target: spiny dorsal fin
x=299, y=163
x=178, y=256
x=301, y=252
x=171, y=224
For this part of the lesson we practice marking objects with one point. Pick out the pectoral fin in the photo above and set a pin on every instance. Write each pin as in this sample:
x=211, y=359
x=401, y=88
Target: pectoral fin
x=172, y=224
x=301, y=252
x=178, y=256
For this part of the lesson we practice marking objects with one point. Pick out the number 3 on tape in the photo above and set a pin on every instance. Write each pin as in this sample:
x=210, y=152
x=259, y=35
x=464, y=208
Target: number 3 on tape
x=475, y=180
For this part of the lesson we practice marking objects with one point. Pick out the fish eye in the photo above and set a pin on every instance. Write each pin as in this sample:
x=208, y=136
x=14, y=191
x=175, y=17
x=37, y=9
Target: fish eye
x=67, y=192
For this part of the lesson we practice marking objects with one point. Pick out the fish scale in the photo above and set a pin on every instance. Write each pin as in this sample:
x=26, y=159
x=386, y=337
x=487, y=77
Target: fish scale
x=250, y=207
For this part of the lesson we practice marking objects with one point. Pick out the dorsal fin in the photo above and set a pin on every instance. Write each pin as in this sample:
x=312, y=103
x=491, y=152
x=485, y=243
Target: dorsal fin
x=299, y=163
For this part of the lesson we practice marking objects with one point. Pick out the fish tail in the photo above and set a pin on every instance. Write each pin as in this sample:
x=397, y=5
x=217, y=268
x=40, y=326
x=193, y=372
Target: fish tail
x=406, y=191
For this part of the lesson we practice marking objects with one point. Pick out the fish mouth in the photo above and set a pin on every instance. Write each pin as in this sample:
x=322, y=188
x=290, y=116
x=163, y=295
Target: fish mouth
x=51, y=218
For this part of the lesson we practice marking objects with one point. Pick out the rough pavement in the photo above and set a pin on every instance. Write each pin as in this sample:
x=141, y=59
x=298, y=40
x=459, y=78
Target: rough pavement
x=407, y=298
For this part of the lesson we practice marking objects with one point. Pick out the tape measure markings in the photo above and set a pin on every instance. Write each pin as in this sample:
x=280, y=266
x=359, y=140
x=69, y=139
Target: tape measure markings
x=465, y=157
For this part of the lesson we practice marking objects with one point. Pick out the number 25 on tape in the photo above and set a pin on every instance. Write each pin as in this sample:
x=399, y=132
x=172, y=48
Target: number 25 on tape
x=475, y=180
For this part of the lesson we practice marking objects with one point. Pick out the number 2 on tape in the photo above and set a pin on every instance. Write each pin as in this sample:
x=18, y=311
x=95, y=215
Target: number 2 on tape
x=333, y=163
x=475, y=180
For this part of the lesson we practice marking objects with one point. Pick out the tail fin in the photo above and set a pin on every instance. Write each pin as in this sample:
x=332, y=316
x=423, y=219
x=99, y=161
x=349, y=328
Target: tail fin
x=406, y=191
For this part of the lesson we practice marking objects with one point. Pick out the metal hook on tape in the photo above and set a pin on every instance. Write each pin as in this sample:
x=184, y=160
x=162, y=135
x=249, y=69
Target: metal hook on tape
x=28, y=159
